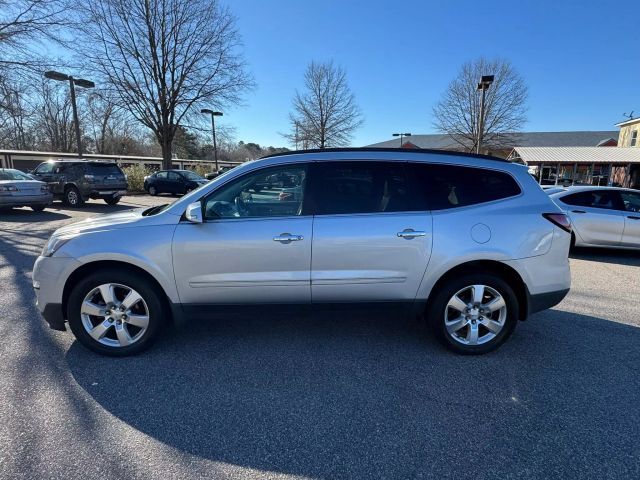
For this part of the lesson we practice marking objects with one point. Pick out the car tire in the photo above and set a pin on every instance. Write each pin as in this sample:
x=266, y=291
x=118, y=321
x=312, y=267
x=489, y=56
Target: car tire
x=153, y=191
x=38, y=208
x=72, y=197
x=119, y=336
x=112, y=200
x=468, y=326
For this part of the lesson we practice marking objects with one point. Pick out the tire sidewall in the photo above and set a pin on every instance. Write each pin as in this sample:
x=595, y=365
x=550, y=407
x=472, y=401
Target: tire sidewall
x=130, y=279
x=78, y=197
x=436, y=311
x=112, y=200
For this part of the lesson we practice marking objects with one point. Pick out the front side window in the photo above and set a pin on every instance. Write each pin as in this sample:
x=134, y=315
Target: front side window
x=606, y=199
x=359, y=187
x=44, y=168
x=161, y=175
x=438, y=186
x=174, y=177
x=631, y=201
x=269, y=192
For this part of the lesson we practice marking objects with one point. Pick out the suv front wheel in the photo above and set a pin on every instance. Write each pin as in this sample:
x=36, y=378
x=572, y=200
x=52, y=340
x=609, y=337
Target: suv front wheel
x=115, y=312
x=474, y=314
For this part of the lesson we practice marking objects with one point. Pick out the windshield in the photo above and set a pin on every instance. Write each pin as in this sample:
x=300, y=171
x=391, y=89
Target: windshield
x=6, y=174
x=191, y=175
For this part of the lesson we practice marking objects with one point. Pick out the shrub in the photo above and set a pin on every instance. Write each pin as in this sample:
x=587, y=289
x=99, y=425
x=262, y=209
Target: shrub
x=135, y=176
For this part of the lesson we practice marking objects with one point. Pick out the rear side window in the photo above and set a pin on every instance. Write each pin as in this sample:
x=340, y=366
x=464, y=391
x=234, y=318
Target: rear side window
x=359, y=187
x=438, y=187
x=606, y=199
x=103, y=169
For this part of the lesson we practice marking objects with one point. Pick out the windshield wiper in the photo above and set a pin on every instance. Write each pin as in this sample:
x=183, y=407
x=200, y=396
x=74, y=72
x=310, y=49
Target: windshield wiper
x=154, y=210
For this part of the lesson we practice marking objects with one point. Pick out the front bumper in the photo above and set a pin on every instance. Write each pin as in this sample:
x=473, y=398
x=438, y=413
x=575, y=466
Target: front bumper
x=25, y=200
x=50, y=275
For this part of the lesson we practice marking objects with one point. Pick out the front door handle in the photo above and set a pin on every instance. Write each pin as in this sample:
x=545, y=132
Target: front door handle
x=578, y=211
x=408, y=233
x=288, y=238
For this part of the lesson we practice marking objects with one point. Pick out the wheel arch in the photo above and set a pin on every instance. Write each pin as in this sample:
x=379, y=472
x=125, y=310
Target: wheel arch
x=91, y=267
x=489, y=266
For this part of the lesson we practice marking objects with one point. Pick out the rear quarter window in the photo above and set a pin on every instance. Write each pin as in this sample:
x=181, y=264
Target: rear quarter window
x=439, y=187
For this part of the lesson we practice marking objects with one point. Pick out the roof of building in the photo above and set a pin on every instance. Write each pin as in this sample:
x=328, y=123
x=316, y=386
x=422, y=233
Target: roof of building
x=525, y=139
x=630, y=121
x=552, y=155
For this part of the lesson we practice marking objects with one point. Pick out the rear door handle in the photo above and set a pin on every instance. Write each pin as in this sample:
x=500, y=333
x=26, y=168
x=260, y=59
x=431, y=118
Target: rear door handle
x=288, y=238
x=408, y=233
x=578, y=211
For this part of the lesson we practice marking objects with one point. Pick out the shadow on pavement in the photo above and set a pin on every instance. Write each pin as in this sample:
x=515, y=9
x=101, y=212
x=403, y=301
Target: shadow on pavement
x=607, y=255
x=27, y=215
x=371, y=395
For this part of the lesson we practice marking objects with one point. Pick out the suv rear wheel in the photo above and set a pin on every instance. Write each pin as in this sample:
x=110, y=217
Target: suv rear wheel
x=115, y=312
x=72, y=197
x=474, y=314
x=112, y=200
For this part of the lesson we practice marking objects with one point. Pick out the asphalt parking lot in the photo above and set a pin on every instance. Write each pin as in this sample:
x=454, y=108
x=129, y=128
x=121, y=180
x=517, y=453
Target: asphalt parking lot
x=336, y=394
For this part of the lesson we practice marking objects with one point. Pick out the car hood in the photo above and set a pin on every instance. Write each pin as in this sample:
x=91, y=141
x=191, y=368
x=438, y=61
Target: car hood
x=128, y=219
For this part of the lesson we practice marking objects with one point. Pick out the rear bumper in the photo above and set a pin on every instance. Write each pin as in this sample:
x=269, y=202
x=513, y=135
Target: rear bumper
x=108, y=192
x=542, y=301
x=25, y=200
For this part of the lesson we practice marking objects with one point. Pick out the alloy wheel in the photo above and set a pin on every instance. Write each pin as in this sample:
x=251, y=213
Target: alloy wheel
x=114, y=315
x=475, y=315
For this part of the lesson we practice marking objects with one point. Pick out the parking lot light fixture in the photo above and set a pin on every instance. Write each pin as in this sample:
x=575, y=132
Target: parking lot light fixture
x=213, y=130
x=63, y=77
x=483, y=85
x=401, y=135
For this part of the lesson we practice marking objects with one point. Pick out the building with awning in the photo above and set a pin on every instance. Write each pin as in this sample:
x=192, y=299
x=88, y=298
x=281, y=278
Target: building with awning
x=610, y=166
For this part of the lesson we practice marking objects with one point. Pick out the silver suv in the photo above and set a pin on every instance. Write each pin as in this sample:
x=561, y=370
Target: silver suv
x=471, y=242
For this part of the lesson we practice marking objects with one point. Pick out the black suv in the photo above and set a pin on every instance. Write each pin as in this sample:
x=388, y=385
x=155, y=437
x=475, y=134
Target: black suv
x=74, y=181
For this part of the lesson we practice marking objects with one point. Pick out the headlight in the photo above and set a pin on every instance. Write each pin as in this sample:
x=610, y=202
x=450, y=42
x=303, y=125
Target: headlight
x=53, y=245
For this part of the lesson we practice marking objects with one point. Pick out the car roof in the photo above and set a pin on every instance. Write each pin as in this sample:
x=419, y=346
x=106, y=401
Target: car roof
x=81, y=162
x=589, y=188
x=386, y=150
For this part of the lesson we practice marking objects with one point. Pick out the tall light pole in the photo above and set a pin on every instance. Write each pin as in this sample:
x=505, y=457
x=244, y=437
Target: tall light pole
x=401, y=135
x=213, y=130
x=62, y=77
x=483, y=85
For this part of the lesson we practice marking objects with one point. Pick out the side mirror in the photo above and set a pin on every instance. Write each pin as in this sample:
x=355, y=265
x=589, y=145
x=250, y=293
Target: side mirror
x=194, y=212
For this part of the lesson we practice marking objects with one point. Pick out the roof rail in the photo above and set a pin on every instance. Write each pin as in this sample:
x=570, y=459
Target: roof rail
x=389, y=150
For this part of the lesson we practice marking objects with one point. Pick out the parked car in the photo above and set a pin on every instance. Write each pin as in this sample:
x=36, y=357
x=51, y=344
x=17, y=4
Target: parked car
x=75, y=181
x=602, y=216
x=17, y=189
x=470, y=241
x=173, y=181
x=221, y=170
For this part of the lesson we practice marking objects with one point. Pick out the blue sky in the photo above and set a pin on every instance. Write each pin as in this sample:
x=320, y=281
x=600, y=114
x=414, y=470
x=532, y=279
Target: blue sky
x=580, y=59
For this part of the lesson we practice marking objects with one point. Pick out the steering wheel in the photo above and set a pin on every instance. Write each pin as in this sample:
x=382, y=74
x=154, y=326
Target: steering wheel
x=241, y=207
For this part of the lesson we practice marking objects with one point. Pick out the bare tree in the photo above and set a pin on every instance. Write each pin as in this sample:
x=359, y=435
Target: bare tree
x=458, y=112
x=24, y=24
x=326, y=113
x=55, y=119
x=163, y=59
x=16, y=114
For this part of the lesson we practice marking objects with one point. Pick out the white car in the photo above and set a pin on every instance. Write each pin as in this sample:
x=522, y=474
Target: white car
x=602, y=216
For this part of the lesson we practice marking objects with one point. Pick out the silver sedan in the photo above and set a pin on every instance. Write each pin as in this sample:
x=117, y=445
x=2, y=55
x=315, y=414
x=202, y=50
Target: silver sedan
x=17, y=189
x=602, y=216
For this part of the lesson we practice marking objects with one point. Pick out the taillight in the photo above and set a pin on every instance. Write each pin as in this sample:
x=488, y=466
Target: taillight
x=44, y=188
x=89, y=177
x=8, y=188
x=560, y=220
